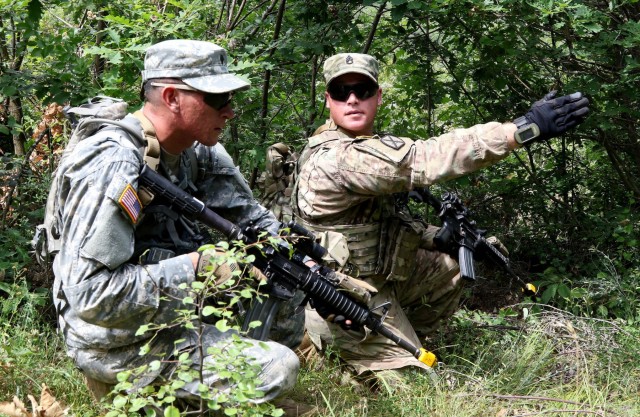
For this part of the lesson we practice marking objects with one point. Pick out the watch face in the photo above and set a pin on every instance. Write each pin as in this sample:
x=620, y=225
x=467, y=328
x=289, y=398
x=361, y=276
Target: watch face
x=527, y=134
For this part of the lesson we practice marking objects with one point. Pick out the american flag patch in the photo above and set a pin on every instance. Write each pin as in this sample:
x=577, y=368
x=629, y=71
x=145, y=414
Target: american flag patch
x=130, y=202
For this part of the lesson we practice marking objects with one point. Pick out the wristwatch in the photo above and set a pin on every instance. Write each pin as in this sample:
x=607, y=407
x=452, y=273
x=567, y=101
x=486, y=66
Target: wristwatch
x=527, y=131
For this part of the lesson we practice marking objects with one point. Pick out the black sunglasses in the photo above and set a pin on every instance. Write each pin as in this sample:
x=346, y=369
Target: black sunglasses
x=341, y=92
x=217, y=101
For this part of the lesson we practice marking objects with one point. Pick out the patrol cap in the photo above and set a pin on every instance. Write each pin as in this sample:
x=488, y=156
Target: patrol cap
x=201, y=65
x=345, y=63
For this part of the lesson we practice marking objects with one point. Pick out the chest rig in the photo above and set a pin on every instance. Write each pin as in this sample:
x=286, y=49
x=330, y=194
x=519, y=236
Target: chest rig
x=382, y=243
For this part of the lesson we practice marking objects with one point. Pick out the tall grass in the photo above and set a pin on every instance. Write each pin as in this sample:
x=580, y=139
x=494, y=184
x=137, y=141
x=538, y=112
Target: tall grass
x=551, y=364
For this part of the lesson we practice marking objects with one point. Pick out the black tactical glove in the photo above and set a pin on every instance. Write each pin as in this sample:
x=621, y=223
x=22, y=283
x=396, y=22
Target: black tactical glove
x=331, y=316
x=551, y=117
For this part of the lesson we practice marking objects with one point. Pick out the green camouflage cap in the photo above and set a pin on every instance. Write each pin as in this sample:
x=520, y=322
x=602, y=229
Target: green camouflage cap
x=340, y=64
x=201, y=65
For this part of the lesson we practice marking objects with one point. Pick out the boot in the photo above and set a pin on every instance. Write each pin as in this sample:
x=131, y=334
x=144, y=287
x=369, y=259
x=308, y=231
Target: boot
x=293, y=408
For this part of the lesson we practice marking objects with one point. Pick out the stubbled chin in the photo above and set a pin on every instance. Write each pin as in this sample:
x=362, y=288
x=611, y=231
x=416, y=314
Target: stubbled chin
x=210, y=141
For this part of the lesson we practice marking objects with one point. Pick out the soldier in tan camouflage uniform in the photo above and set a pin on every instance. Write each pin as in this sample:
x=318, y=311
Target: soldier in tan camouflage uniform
x=122, y=265
x=345, y=180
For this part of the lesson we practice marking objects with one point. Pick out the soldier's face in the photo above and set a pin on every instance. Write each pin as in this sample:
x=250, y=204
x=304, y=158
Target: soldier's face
x=353, y=102
x=205, y=120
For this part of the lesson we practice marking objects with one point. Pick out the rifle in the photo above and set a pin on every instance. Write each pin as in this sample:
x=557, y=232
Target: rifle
x=459, y=234
x=283, y=265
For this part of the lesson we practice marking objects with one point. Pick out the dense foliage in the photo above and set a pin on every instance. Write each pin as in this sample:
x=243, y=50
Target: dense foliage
x=567, y=210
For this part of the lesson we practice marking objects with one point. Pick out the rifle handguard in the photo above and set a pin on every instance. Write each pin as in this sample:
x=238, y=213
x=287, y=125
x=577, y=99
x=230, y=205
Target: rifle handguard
x=287, y=271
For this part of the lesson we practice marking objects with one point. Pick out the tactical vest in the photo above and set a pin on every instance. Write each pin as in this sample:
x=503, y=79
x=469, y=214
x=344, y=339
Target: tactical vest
x=385, y=247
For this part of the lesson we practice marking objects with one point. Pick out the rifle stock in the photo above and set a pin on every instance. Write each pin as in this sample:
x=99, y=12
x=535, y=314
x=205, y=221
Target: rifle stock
x=285, y=268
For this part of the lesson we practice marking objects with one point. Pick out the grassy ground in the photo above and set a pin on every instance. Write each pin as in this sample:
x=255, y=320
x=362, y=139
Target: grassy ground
x=551, y=364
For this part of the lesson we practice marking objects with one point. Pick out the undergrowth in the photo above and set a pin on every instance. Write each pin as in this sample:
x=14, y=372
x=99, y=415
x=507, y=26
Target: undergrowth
x=539, y=362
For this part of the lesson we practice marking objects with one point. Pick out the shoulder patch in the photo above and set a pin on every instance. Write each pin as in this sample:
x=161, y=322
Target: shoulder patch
x=391, y=148
x=393, y=142
x=130, y=203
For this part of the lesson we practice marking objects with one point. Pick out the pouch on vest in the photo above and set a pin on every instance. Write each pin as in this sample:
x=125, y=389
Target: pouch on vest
x=277, y=181
x=398, y=252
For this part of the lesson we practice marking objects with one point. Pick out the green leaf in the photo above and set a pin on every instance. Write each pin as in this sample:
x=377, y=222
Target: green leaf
x=222, y=325
x=171, y=411
x=549, y=293
x=120, y=401
x=185, y=376
x=144, y=349
x=603, y=311
x=143, y=329
x=564, y=291
x=35, y=11
x=209, y=310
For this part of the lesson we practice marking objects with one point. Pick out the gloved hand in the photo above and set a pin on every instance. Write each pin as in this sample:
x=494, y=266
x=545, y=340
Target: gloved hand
x=495, y=242
x=331, y=316
x=552, y=116
x=212, y=262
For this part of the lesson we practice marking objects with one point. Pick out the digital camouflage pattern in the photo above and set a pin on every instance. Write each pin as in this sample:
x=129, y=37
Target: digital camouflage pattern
x=104, y=294
x=345, y=182
x=199, y=64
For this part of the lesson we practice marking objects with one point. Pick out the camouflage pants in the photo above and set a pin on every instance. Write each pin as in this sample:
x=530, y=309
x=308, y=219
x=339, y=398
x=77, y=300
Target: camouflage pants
x=278, y=365
x=418, y=304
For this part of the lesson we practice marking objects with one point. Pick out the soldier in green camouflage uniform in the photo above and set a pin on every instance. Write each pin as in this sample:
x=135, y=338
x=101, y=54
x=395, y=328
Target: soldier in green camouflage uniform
x=121, y=265
x=346, y=176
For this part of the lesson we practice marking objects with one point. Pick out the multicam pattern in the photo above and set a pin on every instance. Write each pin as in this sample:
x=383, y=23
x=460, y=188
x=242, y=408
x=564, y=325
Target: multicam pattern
x=103, y=295
x=340, y=64
x=347, y=181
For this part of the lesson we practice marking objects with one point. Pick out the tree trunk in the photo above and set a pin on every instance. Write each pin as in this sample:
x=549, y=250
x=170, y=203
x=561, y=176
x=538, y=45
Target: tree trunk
x=15, y=110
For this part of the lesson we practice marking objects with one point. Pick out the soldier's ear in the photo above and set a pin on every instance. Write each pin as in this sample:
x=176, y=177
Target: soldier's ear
x=327, y=97
x=170, y=97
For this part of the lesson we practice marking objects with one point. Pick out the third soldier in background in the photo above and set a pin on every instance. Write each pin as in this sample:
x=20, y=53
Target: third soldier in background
x=346, y=177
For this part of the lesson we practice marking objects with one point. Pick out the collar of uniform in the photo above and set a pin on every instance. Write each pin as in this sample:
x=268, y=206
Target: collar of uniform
x=326, y=136
x=146, y=124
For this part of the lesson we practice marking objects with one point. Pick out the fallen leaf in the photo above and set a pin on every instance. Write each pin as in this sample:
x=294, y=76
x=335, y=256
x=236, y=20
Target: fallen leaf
x=49, y=406
x=14, y=409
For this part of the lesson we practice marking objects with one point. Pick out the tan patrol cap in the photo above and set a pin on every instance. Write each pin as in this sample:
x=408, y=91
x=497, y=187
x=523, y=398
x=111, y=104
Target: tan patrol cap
x=345, y=63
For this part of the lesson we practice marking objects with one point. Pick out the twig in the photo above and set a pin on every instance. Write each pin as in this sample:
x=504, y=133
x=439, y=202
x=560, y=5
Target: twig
x=18, y=175
x=598, y=413
x=558, y=400
x=498, y=327
x=533, y=397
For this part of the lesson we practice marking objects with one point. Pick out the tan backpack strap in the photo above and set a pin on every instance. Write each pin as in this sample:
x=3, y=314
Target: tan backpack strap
x=152, y=150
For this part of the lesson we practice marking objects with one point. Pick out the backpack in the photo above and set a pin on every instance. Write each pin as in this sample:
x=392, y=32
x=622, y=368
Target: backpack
x=86, y=120
x=277, y=180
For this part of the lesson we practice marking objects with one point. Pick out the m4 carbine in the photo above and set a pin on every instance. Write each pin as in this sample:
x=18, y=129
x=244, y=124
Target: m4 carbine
x=285, y=265
x=459, y=235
